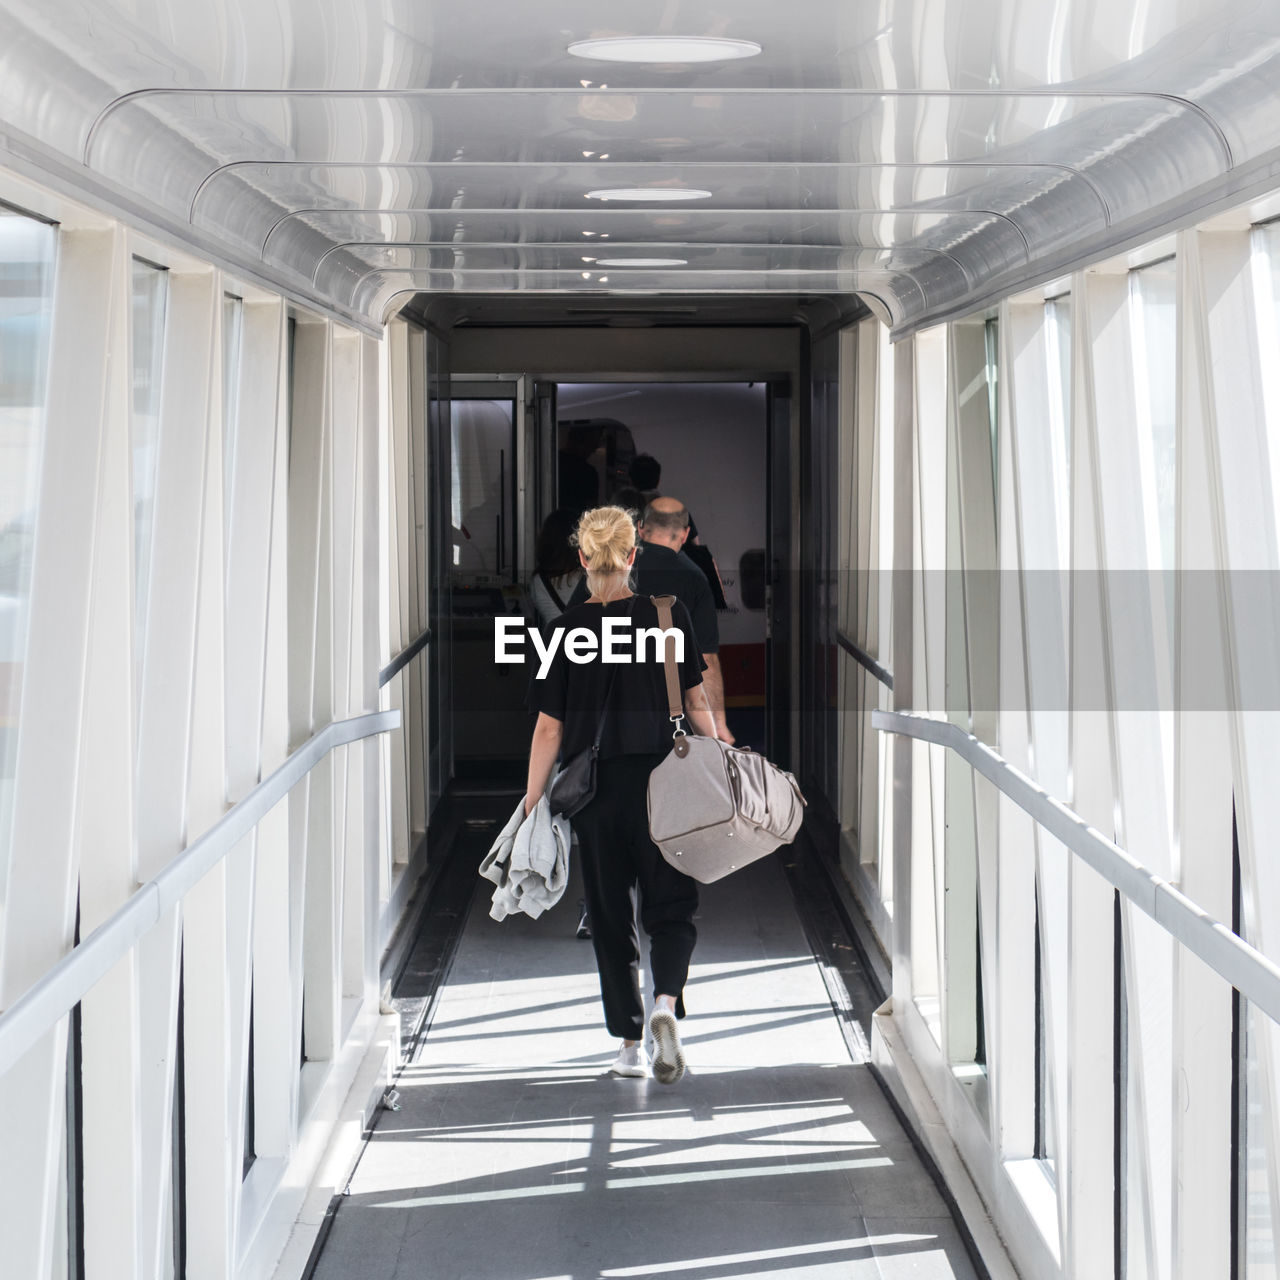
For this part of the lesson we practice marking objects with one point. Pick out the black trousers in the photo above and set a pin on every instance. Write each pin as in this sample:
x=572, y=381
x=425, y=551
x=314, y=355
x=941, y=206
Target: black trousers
x=618, y=858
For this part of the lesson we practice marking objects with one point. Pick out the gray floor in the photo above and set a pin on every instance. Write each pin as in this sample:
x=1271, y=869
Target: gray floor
x=515, y=1158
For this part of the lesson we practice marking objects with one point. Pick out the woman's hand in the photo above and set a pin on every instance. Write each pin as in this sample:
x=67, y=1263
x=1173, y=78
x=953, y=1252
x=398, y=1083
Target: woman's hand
x=530, y=804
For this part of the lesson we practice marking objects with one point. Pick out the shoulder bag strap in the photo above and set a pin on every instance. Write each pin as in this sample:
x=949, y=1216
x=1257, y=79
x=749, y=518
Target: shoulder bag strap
x=675, y=699
x=551, y=591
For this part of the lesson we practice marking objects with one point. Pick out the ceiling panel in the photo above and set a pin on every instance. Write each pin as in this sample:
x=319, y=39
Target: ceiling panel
x=938, y=152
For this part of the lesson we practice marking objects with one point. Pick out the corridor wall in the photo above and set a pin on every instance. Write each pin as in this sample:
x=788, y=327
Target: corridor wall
x=194, y=493
x=1060, y=532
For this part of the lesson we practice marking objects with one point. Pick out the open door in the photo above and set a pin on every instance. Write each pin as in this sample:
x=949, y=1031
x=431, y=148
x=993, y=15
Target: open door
x=544, y=449
x=488, y=546
x=778, y=646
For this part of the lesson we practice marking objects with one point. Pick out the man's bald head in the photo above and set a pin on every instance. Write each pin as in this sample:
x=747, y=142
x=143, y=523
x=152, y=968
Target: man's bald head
x=666, y=522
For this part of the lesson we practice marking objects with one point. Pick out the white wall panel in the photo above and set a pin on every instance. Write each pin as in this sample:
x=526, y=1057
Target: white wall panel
x=164, y=720
x=1013, y=979
x=1245, y=514
x=110, y=1048
x=1202, y=794
x=1136, y=654
x=122, y=764
x=1134, y=631
x=41, y=888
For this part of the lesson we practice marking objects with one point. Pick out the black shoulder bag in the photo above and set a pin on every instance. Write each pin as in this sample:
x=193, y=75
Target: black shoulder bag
x=575, y=784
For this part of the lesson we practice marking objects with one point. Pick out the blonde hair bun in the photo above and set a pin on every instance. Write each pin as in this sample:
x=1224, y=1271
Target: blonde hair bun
x=606, y=537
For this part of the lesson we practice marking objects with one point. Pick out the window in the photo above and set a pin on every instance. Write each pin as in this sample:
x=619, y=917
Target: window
x=1152, y=291
x=482, y=459
x=1266, y=283
x=991, y=343
x=26, y=306
x=147, y=313
x=1254, y=1204
x=232, y=317
x=1046, y=1113
x=1057, y=333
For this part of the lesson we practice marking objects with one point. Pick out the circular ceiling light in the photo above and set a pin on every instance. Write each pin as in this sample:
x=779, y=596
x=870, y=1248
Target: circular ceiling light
x=643, y=262
x=664, y=49
x=649, y=193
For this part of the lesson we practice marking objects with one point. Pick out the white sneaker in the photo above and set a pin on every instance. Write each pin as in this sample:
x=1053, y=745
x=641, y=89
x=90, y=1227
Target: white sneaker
x=632, y=1060
x=668, y=1056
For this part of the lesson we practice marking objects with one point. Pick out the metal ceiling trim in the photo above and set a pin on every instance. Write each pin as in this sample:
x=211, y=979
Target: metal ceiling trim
x=401, y=303
x=1246, y=183
x=700, y=165
x=31, y=160
x=625, y=244
x=740, y=91
x=694, y=213
x=695, y=290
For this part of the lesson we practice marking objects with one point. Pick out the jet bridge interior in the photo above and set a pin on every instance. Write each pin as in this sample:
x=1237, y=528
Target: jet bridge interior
x=954, y=322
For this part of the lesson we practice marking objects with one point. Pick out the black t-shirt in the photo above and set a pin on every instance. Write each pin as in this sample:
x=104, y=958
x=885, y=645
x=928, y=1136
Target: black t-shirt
x=659, y=571
x=702, y=557
x=638, y=720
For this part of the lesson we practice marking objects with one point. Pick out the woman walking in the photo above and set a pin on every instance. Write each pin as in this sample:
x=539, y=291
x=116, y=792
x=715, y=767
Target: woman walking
x=613, y=828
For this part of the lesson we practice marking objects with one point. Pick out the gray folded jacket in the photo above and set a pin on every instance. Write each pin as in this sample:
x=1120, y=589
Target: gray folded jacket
x=529, y=862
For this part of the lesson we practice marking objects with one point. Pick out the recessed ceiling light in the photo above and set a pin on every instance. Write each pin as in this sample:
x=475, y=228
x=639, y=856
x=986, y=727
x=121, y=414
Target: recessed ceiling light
x=649, y=193
x=664, y=49
x=643, y=262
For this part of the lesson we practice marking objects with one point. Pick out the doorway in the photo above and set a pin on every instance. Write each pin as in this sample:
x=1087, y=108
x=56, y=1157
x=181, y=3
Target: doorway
x=521, y=449
x=711, y=442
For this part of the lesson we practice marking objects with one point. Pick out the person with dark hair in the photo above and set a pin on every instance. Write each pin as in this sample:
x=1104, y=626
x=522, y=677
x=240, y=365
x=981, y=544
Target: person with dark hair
x=557, y=572
x=556, y=568
x=579, y=481
x=646, y=473
x=630, y=500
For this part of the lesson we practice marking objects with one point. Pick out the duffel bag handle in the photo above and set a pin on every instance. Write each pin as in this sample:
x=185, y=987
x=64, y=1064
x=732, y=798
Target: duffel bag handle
x=675, y=699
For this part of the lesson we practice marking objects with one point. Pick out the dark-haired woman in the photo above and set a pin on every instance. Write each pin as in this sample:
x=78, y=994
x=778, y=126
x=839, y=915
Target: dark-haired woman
x=557, y=570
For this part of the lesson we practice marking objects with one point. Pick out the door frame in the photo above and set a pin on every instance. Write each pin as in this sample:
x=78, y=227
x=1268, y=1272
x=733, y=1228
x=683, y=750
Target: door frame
x=781, y=428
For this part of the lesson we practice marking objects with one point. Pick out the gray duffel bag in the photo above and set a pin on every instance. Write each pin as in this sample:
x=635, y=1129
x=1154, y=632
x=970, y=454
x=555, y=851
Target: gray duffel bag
x=714, y=808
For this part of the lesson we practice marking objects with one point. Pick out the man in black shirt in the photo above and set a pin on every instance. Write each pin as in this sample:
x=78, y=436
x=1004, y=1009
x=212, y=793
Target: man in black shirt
x=646, y=475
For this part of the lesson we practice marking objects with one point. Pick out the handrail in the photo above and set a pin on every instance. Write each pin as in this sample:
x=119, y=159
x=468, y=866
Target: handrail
x=864, y=659
x=1254, y=975
x=403, y=658
x=59, y=989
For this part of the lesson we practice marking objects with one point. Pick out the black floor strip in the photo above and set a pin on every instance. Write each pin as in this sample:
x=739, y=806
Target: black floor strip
x=322, y=1237
x=417, y=993
x=850, y=981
